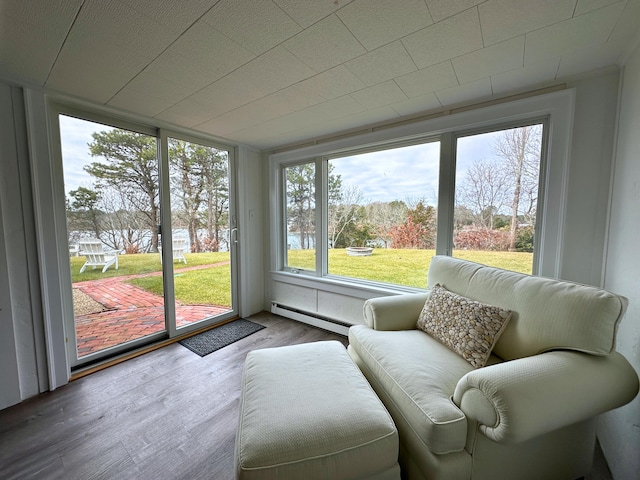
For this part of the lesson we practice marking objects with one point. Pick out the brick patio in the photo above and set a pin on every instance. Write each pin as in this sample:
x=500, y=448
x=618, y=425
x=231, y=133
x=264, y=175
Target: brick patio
x=131, y=312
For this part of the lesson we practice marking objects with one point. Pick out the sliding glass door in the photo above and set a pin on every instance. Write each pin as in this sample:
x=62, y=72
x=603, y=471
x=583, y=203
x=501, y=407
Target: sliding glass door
x=151, y=236
x=202, y=231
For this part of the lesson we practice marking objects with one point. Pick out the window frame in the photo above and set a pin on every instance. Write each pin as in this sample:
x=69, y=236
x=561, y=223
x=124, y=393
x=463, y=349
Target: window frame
x=554, y=110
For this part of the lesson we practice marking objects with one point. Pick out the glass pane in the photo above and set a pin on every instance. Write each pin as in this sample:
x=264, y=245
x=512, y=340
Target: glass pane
x=199, y=185
x=112, y=191
x=497, y=178
x=300, y=191
x=382, y=214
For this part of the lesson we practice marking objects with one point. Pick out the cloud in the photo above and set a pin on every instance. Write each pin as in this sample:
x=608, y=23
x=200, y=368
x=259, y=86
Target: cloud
x=75, y=136
x=396, y=174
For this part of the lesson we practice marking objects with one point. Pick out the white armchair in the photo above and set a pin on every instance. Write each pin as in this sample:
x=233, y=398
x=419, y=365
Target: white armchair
x=530, y=413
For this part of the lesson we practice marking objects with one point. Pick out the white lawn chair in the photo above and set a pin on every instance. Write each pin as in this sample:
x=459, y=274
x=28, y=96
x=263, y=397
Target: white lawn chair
x=179, y=249
x=96, y=256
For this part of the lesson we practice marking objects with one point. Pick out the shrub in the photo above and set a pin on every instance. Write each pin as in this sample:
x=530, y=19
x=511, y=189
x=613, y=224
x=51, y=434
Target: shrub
x=481, y=239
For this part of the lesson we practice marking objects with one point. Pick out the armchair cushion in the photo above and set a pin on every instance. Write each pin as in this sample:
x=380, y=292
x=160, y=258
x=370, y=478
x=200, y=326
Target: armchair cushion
x=403, y=365
x=468, y=327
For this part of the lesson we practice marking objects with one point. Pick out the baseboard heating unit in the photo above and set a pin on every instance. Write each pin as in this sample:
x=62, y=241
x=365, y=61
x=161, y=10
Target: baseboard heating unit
x=335, y=326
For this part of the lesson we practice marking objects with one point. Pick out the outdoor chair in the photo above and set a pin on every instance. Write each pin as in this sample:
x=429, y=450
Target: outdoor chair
x=96, y=256
x=179, y=249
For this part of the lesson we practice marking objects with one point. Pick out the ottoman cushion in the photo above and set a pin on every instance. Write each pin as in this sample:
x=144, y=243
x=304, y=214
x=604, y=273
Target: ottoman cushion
x=306, y=411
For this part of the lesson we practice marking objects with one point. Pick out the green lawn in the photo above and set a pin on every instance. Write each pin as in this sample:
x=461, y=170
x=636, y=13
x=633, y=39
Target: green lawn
x=212, y=285
x=209, y=286
x=403, y=267
x=141, y=263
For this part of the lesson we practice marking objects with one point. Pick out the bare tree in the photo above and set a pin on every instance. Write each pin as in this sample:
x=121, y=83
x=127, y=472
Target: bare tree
x=484, y=190
x=520, y=149
x=384, y=216
x=343, y=211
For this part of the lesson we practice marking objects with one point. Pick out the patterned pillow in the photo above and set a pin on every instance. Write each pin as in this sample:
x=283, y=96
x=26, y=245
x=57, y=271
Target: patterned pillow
x=467, y=327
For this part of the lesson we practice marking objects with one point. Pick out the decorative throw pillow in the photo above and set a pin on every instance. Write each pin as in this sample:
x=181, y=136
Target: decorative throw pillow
x=467, y=327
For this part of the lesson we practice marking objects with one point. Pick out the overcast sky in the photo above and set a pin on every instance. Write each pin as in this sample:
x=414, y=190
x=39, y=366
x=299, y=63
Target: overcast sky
x=407, y=173
x=75, y=136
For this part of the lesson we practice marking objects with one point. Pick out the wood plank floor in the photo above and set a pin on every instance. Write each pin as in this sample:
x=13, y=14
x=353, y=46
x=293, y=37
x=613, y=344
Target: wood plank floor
x=168, y=414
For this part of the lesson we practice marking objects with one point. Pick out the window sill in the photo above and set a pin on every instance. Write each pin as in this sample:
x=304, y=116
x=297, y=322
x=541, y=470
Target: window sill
x=340, y=285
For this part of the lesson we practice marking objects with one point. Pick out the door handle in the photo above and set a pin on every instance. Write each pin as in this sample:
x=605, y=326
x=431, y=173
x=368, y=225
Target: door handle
x=234, y=235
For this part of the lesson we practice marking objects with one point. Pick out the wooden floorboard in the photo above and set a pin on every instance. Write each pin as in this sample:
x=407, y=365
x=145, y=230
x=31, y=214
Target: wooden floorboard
x=168, y=414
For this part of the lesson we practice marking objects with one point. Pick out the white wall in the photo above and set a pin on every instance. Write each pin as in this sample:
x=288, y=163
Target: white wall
x=619, y=430
x=23, y=373
x=252, y=242
x=589, y=177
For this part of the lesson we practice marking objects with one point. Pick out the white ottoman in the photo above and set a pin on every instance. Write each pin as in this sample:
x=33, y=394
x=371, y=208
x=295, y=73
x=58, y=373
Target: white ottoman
x=307, y=412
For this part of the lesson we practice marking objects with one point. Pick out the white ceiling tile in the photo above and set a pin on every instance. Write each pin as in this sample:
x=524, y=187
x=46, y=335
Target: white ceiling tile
x=585, y=6
x=336, y=108
x=625, y=35
x=308, y=12
x=379, y=95
x=489, y=61
x=199, y=57
x=504, y=19
x=93, y=81
x=257, y=25
x=356, y=120
x=289, y=100
x=267, y=70
x=450, y=38
x=149, y=94
x=31, y=35
x=244, y=117
x=528, y=76
x=334, y=83
x=177, y=16
x=310, y=121
x=464, y=93
x=571, y=35
x=298, y=96
x=52, y=13
x=441, y=9
x=257, y=79
x=115, y=24
x=324, y=45
x=378, y=22
x=188, y=112
x=422, y=103
x=16, y=38
x=382, y=64
x=428, y=80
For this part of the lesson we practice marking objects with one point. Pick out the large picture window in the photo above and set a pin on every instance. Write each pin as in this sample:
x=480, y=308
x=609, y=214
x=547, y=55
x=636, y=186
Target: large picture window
x=496, y=196
x=382, y=213
x=371, y=215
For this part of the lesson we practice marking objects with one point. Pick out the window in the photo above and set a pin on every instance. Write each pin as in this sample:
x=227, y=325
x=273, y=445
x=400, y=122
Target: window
x=384, y=202
x=496, y=196
x=382, y=213
x=300, y=195
x=378, y=216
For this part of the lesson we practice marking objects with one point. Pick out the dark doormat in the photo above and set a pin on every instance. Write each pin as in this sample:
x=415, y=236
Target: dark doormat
x=207, y=342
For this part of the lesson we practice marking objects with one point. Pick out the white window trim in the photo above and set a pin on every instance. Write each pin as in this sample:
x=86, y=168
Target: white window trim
x=557, y=106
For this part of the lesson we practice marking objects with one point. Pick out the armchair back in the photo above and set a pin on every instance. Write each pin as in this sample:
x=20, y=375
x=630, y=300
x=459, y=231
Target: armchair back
x=548, y=314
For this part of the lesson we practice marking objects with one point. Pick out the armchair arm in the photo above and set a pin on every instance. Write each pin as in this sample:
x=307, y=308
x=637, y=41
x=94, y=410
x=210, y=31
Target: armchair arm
x=396, y=312
x=521, y=399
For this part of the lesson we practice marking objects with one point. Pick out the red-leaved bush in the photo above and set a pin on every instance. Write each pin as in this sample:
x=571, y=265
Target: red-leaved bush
x=481, y=239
